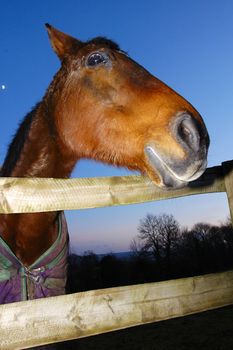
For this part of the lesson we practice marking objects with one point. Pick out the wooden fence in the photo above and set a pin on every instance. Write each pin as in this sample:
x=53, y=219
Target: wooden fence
x=44, y=321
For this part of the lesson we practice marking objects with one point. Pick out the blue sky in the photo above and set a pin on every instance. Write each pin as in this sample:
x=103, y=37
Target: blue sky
x=187, y=44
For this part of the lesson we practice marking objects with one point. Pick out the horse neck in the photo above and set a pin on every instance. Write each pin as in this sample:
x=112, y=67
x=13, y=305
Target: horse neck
x=29, y=235
x=43, y=154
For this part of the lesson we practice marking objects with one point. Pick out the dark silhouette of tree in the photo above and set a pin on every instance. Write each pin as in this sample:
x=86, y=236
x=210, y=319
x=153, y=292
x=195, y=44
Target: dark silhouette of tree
x=159, y=235
x=200, y=234
x=227, y=233
x=138, y=249
x=205, y=248
x=90, y=270
x=110, y=271
x=73, y=274
x=83, y=272
x=192, y=246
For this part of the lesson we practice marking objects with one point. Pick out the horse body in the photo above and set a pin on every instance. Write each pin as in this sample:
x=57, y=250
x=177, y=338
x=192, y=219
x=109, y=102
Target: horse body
x=101, y=105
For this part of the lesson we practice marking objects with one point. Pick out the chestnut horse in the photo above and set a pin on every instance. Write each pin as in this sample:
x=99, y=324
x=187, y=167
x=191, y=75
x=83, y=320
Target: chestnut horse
x=104, y=106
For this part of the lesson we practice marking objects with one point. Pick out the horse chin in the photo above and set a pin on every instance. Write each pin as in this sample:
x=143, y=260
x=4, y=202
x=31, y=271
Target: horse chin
x=169, y=180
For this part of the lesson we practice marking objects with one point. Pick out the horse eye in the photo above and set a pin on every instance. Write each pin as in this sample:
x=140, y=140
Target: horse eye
x=97, y=58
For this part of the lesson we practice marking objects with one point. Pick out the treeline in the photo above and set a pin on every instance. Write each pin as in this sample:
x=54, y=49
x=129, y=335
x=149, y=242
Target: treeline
x=161, y=250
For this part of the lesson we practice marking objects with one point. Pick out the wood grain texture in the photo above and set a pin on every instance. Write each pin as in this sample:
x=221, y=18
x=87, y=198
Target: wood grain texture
x=29, y=195
x=49, y=320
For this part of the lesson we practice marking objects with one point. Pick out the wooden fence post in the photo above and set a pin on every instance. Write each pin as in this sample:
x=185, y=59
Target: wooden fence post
x=228, y=179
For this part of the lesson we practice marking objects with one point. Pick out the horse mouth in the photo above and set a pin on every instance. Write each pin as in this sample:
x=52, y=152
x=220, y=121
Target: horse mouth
x=169, y=178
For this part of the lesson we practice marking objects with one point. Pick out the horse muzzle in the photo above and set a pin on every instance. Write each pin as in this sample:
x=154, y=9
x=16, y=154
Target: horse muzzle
x=192, y=136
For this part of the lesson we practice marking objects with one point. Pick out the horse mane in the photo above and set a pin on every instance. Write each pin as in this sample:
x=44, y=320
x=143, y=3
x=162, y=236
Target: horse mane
x=100, y=40
x=16, y=146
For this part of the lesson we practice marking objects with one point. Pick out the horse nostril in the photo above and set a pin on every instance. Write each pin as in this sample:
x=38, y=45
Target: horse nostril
x=186, y=130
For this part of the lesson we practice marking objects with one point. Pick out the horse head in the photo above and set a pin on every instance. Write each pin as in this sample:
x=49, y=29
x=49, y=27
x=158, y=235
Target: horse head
x=109, y=108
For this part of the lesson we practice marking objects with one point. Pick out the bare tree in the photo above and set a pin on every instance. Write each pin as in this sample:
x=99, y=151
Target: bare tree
x=159, y=234
x=203, y=244
x=201, y=231
x=138, y=249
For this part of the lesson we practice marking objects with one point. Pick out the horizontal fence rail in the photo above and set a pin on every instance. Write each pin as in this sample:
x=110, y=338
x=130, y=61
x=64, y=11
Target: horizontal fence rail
x=50, y=320
x=28, y=195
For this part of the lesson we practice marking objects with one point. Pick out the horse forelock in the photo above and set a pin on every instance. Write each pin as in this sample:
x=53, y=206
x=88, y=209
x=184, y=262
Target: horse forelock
x=100, y=40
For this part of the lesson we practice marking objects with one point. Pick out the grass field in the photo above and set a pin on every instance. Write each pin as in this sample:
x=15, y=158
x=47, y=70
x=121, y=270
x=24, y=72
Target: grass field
x=208, y=330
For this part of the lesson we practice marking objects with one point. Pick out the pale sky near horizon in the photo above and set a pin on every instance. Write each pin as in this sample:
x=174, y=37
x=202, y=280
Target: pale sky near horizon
x=187, y=44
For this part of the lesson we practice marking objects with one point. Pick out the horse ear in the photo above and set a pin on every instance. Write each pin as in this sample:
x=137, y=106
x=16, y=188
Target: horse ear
x=62, y=43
